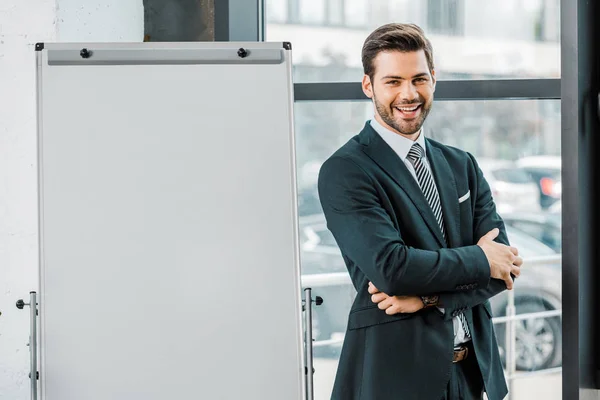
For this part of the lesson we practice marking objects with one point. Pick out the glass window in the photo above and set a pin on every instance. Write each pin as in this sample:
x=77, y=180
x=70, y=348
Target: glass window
x=335, y=12
x=502, y=131
x=356, y=13
x=312, y=12
x=527, y=244
x=545, y=227
x=471, y=39
x=278, y=11
x=445, y=17
x=512, y=175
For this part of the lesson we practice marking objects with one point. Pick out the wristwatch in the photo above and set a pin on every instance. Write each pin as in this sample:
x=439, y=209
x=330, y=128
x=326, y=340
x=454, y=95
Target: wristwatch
x=430, y=301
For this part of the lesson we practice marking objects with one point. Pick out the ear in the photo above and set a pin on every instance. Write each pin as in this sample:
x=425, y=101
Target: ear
x=367, y=86
x=433, y=79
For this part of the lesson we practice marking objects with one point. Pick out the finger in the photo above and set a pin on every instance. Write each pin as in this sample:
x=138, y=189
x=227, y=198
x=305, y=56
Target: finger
x=385, y=303
x=391, y=310
x=509, y=282
x=372, y=288
x=514, y=250
x=516, y=271
x=493, y=234
x=518, y=261
x=378, y=297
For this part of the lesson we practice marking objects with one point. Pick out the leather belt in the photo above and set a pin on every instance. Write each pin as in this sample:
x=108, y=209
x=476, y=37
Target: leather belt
x=460, y=353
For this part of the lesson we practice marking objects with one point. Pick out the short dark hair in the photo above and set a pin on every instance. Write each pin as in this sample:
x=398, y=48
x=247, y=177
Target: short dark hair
x=398, y=37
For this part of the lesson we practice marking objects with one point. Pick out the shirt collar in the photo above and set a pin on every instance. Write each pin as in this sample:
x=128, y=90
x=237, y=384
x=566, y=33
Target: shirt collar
x=398, y=143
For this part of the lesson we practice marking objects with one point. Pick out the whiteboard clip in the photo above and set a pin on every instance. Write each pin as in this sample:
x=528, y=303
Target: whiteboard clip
x=85, y=53
x=318, y=301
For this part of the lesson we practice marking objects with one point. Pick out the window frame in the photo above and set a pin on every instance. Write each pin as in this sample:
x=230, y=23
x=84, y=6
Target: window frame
x=578, y=54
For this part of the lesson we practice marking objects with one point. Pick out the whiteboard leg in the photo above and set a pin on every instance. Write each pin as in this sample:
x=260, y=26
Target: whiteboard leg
x=33, y=374
x=309, y=369
x=309, y=344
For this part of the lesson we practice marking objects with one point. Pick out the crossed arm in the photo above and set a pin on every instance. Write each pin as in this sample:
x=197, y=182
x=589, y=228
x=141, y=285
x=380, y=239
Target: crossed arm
x=366, y=234
x=450, y=301
x=485, y=218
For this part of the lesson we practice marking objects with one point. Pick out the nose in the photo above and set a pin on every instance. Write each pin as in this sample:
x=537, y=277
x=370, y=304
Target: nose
x=408, y=92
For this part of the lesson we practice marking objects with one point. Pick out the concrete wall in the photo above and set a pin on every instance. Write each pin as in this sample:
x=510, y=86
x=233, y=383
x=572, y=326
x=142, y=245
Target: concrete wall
x=99, y=20
x=22, y=24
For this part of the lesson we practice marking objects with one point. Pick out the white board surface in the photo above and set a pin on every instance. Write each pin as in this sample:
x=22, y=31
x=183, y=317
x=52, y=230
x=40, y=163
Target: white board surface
x=168, y=242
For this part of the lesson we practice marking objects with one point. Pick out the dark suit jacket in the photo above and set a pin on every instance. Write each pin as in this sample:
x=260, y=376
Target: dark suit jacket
x=388, y=235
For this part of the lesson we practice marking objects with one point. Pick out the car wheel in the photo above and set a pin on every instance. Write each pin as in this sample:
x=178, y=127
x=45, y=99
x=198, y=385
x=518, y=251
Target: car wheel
x=538, y=341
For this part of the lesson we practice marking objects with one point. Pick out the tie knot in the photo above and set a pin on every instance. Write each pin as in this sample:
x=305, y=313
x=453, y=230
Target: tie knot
x=416, y=152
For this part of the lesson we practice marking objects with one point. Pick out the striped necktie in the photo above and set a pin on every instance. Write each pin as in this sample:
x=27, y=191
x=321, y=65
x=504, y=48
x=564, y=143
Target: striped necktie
x=427, y=184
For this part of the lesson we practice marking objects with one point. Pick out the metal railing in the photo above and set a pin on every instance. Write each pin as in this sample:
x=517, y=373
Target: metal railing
x=510, y=319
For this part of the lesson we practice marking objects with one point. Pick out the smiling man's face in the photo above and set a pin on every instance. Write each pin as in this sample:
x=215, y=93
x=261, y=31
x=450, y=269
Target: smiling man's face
x=402, y=89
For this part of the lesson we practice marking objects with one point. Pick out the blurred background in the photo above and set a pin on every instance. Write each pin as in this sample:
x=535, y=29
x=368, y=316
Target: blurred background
x=516, y=142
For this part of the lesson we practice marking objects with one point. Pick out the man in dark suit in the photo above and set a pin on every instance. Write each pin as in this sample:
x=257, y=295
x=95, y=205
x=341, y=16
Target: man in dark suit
x=424, y=246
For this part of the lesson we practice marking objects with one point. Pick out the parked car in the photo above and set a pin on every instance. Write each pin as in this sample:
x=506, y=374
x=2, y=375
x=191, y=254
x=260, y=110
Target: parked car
x=545, y=226
x=545, y=171
x=538, y=289
x=512, y=188
x=556, y=208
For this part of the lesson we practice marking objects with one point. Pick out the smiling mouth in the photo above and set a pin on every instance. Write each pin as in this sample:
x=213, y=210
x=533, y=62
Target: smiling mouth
x=408, y=111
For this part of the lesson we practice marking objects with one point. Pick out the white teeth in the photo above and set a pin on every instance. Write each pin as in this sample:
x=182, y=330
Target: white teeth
x=408, y=109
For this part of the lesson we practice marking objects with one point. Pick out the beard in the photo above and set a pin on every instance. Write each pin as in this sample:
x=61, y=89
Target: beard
x=405, y=127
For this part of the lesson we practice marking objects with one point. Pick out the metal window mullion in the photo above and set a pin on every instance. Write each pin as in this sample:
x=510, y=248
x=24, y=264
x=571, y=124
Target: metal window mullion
x=244, y=20
x=517, y=89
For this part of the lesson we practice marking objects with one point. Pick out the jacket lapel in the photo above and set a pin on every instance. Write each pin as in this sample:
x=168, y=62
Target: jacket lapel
x=382, y=154
x=446, y=185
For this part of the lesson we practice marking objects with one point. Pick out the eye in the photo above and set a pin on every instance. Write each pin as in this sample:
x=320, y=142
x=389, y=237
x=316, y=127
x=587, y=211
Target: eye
x=421, y=80
x=392, y=82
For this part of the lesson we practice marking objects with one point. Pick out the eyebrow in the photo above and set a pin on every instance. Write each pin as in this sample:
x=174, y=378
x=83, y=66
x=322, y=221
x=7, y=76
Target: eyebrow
x=422, y=74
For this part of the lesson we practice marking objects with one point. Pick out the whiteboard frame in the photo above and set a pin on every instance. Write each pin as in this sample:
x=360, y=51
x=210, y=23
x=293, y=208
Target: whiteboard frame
x=163, y=54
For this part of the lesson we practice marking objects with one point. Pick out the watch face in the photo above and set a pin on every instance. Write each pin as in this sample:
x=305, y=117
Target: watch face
x=429, y=300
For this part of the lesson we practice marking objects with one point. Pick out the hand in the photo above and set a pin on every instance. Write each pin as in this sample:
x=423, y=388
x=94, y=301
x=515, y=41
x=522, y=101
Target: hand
x=395, y=304
x=504, y=260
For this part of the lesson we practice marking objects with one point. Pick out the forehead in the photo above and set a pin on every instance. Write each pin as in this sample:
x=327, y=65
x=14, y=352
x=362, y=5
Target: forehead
x=399, y=63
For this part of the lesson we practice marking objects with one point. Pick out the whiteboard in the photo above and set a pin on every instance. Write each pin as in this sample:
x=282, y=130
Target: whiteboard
x=169, y=257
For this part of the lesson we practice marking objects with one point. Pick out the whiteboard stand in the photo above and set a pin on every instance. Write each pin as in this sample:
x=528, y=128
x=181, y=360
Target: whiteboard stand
x=308, y=339
x=34, y=375
x=308, y=343
x=167, y=180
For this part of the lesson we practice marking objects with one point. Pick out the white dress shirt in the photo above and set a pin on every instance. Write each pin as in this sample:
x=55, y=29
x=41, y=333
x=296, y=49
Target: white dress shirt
x=401, y=147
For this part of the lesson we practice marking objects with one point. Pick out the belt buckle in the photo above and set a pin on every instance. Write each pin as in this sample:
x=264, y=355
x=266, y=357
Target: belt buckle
x=460, y=354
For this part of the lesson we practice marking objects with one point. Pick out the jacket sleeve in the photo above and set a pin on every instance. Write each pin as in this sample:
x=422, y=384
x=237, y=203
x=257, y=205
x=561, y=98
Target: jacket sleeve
x=484, y=220
x=366, y=235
